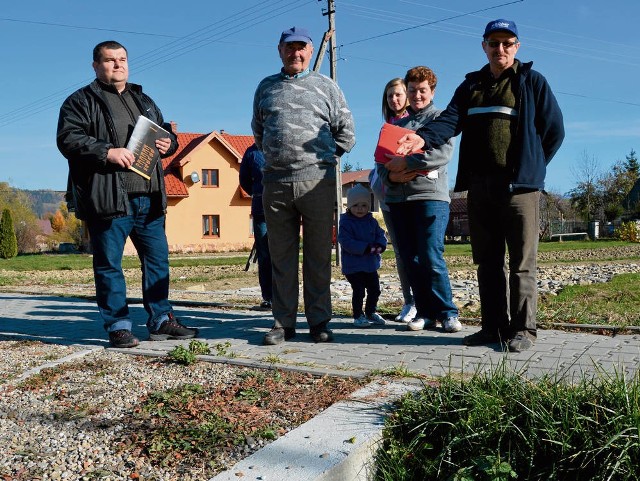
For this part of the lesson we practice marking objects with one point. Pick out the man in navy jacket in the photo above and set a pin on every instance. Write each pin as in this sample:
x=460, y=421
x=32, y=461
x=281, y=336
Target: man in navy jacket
x=511, y=128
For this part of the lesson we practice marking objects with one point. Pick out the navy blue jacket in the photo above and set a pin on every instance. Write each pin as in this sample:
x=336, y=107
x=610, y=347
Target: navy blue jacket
x=539, y=133
x=251, y=178
x=354, y=235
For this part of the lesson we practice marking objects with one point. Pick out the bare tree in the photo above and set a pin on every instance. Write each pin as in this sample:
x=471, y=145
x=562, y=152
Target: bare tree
x=586, y=196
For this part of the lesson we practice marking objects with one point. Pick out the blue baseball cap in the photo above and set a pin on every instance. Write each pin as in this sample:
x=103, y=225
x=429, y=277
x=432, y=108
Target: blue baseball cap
x=295, y=34
x=501, y=25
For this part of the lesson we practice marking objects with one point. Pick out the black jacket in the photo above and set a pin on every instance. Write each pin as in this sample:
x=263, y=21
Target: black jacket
x=539, y=133
x=86, y=132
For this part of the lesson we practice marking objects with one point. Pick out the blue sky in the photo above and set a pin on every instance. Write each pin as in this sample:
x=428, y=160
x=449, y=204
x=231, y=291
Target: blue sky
x=201, y=62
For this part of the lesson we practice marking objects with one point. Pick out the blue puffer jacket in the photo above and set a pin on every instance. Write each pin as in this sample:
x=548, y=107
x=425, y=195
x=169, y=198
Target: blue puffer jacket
x=355, y=234
x=539, y=134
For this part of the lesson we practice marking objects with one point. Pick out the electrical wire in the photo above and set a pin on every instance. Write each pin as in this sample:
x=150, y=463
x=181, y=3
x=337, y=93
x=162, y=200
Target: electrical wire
x=234, y=23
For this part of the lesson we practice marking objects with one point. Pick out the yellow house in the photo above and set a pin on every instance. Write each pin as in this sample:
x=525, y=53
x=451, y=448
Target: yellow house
x=207, y=210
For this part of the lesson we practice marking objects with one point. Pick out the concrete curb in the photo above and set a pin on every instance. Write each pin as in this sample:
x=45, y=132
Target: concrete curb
x=336, y=445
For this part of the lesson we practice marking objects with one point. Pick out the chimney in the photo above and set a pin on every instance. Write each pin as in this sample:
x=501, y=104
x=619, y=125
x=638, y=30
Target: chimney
x=174, y=126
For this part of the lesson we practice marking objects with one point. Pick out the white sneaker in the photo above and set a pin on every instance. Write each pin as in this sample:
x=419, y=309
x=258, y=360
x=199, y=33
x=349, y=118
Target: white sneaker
x=376, y=319
x=362, y=321
x=420, y=323
x=452, y=324
x=416, y=324
x=407, y=313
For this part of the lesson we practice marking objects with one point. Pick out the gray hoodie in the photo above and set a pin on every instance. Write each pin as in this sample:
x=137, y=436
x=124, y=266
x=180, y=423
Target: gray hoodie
x=431, y=187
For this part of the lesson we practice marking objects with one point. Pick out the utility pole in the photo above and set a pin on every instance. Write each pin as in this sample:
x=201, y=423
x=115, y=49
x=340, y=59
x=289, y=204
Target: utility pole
x=330, y=38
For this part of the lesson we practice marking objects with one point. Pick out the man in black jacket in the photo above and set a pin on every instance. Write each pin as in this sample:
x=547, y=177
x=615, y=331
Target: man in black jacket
x=511, y=128
x=94, y=126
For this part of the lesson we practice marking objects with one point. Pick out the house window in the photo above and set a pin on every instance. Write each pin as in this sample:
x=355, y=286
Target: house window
x=211, y=225
x=210, y=178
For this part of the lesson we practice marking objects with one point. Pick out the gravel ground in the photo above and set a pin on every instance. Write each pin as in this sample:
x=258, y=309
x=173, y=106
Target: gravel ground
x=85, y=420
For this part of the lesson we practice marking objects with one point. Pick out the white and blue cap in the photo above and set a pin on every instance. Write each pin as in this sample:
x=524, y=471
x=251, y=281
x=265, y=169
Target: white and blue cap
x=501, y=25
x=295, y=34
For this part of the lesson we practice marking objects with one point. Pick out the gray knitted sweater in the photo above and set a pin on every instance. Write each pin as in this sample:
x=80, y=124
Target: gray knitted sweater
x=301, y=125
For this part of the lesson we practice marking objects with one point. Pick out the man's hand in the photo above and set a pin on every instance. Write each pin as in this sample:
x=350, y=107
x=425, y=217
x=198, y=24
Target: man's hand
x=120, y=156
x=397, y=163
x=163, y=145
x=402, y=177
x=410, y=143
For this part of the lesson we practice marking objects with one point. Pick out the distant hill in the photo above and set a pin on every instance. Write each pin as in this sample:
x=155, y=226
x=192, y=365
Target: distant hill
x=45, y=201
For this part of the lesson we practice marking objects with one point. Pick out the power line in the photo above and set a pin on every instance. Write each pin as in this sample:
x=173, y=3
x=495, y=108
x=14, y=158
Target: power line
x=433, y=22
x=179, y=47
x=80, y=27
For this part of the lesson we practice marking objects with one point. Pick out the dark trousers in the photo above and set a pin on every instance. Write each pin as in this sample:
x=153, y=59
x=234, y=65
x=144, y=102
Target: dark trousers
x=362, y=282
x=499, y=220
x=261, y=239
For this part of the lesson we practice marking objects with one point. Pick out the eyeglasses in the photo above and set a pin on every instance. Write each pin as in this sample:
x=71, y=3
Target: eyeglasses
x=495, y=44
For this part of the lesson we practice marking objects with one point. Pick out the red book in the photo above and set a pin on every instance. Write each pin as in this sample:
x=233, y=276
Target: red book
x=388, y=143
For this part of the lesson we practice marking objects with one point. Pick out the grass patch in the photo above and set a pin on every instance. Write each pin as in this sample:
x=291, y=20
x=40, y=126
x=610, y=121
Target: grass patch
x=68, y=262
x=614, y=303
x=499, y=425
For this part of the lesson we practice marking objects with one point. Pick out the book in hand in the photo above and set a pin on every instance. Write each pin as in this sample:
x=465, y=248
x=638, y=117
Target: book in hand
x=143, y=146
x=388, y=143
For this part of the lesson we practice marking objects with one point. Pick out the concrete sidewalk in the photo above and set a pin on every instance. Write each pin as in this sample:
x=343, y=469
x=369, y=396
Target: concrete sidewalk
x=354, y=352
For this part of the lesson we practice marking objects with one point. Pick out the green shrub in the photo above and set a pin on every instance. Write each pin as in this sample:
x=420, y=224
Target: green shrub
x=500, y=425
x=8, y=240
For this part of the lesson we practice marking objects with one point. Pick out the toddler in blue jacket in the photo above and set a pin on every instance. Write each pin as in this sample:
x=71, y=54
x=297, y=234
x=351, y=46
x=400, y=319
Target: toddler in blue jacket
x=362, y=241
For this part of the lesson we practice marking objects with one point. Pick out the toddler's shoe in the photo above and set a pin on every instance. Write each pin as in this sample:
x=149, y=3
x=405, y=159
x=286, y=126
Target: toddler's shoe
x=376, y=319
x=362, y=321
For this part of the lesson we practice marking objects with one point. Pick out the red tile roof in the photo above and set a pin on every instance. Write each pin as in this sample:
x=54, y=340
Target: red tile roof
x=174, y=184
x=240, y=143
x=350, y=177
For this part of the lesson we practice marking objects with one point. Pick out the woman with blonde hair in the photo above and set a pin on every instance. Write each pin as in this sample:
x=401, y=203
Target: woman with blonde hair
x=394, y=108
x=394, y=101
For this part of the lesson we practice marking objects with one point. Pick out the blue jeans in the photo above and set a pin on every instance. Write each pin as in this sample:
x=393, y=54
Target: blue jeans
x=145, y=226
x=420, y=226
x=264, y=258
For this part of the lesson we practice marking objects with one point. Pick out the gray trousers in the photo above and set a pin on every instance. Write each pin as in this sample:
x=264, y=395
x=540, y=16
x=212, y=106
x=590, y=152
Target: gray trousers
x=287, y=207
x=499, y=219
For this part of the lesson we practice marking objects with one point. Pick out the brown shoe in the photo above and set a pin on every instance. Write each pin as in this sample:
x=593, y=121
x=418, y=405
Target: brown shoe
x=123, y=338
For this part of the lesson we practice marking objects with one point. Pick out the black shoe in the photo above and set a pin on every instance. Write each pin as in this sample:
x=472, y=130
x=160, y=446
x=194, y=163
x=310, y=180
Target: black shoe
x=172, y=329
x=278, y=335
x=321, y=333
x=481, y=338
x=123, y=338
x=265, y=304
x=520, y=342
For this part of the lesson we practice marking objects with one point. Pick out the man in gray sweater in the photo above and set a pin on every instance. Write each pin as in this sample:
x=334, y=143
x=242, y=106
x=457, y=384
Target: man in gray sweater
x=302, y=124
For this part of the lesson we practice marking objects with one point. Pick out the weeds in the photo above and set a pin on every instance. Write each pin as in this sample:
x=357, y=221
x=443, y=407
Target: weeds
x=499, y=425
